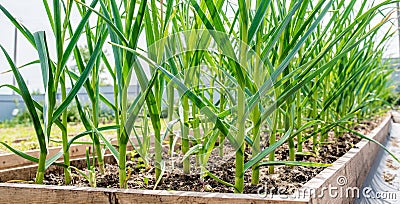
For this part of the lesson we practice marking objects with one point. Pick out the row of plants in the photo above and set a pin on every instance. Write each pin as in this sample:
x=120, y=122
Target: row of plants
x=229, y=73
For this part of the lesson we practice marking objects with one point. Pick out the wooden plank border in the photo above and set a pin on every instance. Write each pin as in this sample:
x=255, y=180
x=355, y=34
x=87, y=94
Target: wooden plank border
x=10, y=160
x=29, y=193
x=348, y=173
x=353, y=166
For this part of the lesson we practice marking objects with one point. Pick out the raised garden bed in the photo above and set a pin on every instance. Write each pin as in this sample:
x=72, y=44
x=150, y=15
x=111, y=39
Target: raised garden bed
x=8, y=161
x=347, y=172
x=267, y=98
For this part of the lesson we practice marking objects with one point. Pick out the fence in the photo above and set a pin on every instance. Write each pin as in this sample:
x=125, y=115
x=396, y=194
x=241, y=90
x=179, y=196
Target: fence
x=10, y=105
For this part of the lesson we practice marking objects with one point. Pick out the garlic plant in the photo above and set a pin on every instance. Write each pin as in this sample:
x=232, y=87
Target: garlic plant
x=251, y=75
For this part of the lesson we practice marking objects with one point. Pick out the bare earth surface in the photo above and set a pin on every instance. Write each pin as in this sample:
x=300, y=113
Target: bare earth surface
x=284, y=178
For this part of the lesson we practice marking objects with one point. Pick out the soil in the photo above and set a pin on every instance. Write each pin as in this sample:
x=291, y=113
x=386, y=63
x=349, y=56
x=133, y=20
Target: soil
x=284, y=179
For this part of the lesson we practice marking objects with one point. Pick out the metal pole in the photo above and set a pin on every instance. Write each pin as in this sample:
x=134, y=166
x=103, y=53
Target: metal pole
x=15, y=53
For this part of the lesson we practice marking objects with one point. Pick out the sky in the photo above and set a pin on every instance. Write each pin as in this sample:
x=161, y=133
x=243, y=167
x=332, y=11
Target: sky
x=32, y=14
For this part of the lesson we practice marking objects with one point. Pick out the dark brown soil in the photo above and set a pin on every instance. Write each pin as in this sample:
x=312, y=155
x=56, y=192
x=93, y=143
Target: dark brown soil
x=284, y=178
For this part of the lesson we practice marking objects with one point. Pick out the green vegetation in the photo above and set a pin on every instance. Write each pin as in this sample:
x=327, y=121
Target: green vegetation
x=22, y=136
x=289, y=71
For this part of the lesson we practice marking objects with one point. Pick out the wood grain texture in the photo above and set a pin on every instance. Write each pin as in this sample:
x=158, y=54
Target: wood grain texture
x=29, y=193
x=27, y=173
x=12, y=160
